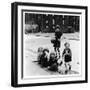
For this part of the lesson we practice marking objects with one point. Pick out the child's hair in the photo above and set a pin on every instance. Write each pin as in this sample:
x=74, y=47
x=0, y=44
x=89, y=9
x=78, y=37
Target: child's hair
x=46, y=49
x=67, y=44
x=52, y=54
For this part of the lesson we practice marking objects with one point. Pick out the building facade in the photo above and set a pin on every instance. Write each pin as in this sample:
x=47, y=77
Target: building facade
x=48, y=22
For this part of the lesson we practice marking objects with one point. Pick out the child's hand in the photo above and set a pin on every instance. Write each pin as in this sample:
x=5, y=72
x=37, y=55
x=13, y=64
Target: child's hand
x=63, y=56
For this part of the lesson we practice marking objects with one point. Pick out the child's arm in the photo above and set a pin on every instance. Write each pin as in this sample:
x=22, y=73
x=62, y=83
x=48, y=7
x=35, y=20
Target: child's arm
x=70, y=53
x=63, y=54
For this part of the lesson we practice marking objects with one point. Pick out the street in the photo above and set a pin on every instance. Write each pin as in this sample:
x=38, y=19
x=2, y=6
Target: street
x=33, y=41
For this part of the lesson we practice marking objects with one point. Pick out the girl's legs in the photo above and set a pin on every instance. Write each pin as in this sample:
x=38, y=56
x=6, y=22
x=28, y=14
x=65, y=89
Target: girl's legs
x=68, y=67
x=69, y=64
x=57, y=51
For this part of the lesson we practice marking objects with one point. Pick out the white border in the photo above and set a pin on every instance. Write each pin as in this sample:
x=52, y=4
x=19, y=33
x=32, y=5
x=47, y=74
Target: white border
x=82, y=35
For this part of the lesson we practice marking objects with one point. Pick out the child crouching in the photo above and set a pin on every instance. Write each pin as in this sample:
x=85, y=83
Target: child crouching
x=43, y=57
x=53, y=65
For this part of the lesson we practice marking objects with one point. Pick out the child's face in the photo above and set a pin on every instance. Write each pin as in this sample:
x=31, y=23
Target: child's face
x=46, y=52
x=53, y=56
x=67, y=46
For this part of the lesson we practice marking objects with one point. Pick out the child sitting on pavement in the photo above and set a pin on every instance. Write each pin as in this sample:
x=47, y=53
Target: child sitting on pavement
x=53, y=62
x=44, y=58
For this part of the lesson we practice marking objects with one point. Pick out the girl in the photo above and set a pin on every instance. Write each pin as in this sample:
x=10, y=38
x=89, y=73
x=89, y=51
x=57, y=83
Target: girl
x=44, y=58
x=40, y=52
x=67, y=55
x=53, y=62
x=57, y=42
x=56, y=45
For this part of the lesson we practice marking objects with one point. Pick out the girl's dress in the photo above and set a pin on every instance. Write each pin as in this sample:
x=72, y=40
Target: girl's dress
x=67, y=55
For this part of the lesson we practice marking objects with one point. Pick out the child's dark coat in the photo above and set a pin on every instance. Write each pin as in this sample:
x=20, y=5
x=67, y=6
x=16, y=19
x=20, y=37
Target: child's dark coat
x=67, y=57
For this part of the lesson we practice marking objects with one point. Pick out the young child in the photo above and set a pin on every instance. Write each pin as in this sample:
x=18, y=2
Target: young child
x=67, y=55
x=56, y=45
x=39, y=52
x=58, y=32
x=53, y=62
x=44, y=58
x=56, y=42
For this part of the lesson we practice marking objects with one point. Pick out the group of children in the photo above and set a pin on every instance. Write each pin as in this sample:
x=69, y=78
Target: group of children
x=53, y=60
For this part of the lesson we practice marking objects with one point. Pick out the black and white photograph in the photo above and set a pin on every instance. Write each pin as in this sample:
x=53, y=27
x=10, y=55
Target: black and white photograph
x=51, y=44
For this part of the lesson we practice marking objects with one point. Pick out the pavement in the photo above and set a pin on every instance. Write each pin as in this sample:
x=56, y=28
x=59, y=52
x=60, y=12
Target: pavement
x=33, y=41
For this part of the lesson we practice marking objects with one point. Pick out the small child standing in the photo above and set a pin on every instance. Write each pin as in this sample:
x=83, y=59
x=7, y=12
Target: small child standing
x=67, y=55
x=57, y=44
